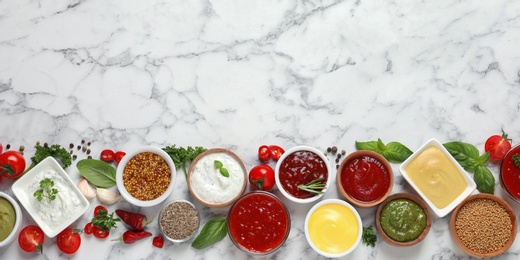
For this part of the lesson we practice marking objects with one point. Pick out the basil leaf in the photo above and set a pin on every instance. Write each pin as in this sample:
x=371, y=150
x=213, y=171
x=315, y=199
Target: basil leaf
x=218, y=164
x=212, y=232
x=484, y=158
x=224, y=172
x=466, y=154
x=393, y=151
x=484, y=179
x=97, y=172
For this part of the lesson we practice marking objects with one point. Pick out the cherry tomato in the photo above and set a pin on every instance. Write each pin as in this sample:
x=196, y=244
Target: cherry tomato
x=31, y=238
x=158, y=241
x=276, y=151
x=100, y=233
x=118, y=156
x=1, y=148
x=97, y=209
x=12, y=164
x=264, y=153
x=89, y=228
x=261, y=177
x=107, y=155
x=68, y=241
x=497, y=146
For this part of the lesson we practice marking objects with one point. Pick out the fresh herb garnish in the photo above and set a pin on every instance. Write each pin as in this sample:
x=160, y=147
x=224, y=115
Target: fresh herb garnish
x=97, y=172
x=369, y=237
x=182, y=156
x=104, y=220
x=218, y=164
x=314, y=186
x=212, y=232
x=470, y=159
x=393, y=151
x=59, y=153
x=516, y=159
x=46, y=190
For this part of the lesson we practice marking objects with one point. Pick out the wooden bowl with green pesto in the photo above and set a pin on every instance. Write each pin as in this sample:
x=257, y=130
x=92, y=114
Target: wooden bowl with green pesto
x=403, y=220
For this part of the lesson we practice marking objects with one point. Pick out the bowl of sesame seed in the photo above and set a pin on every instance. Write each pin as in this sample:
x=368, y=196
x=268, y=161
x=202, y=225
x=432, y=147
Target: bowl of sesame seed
x=483, y=225
x=145, y=177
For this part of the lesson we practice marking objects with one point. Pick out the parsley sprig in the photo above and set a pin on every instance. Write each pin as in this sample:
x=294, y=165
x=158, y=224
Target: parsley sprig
x=314, y=186
x=182, y=156
x=369, y=237
x=46, y=190
x=104, y=220
x=59, y=153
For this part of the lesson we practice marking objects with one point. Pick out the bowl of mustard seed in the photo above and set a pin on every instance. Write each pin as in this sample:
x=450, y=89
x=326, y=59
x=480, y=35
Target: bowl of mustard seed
x=179, y=220
x=483, y=225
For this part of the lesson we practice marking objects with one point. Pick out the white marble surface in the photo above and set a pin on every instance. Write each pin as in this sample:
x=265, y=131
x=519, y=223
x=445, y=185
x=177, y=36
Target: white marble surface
x=239, y=74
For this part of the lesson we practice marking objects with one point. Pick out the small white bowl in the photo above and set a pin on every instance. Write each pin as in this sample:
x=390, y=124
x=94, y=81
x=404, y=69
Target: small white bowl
x=24, y=189
x=299, y=149
x=17, y=223
x=334, y=223
x=119, y=177
x=161, y=216
x=470, y=184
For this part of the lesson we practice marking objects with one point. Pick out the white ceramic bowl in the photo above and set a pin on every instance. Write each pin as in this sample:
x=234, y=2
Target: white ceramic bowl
x=17, y=223
x=470, y=184
x=119, y=177
x=70, y=211
x=332, y=223
x=284, y=157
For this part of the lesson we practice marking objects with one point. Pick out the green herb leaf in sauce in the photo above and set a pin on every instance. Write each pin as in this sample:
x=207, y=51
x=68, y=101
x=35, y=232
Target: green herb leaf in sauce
x=393, y=151
x=314, y=186
x=369, y=237
x=218, y=164
x=46, y=190
x=97, y=172
x=516, y=159
x=212, y=232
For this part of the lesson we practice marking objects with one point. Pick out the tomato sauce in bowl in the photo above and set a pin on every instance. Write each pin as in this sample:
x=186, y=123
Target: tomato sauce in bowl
x=258, y=223
x=509, y=173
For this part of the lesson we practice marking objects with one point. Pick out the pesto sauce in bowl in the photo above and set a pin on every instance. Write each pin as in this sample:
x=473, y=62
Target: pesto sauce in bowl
x=403, y=220
x=7, y=218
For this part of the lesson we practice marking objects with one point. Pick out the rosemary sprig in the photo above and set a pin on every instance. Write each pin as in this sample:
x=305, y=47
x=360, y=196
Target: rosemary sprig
x=314, y=186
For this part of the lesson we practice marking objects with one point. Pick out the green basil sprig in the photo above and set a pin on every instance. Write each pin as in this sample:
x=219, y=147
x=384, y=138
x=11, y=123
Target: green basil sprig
x=97, y=172
x=212, y=232
x=218, y=164
x=393, y=151
x=470, y=159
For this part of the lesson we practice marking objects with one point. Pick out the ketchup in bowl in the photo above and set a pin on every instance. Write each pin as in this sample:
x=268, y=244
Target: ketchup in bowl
x=301, y=167
x=258, y=223
x=509, y=173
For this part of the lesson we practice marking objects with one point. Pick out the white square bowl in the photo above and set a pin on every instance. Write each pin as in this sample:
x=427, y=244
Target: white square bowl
x=68, y=206
x=470, y=184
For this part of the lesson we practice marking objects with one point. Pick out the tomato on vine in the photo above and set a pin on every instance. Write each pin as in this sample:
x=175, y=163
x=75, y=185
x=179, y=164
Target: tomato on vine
x=497, y=146
x=12, y=164
x=261, y=177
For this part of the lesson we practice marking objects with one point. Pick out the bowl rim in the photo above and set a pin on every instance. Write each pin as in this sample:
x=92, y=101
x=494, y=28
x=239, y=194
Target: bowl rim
x=471, y=185
x=418, y=201
x=297, y=149
x=17, y=222
x=20, y=192
x=342, y=203
x=253, y=193
x=500, y=201
x=120, y=169
x=192, y=168
x=513, y=149
x=355, y=155
x=160, y=226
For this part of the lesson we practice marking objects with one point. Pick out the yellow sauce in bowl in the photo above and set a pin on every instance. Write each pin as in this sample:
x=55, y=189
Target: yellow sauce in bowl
x=333, y=228
x=436, y=176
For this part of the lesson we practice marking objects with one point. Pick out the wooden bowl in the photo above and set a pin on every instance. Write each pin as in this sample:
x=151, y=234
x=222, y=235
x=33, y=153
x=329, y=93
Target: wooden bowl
x=357, y=201
x=465, y=248
x=208, y=186
x=413, y=198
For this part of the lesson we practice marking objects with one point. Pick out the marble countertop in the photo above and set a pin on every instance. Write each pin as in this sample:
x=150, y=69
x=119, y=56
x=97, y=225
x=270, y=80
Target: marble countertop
x=239, y=74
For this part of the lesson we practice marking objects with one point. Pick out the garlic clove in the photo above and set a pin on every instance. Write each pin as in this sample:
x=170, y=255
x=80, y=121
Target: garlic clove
x=86, y=189
x=107, y=196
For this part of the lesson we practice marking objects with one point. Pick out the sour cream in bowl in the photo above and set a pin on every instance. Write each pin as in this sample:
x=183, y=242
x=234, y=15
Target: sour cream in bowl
x=217, y=177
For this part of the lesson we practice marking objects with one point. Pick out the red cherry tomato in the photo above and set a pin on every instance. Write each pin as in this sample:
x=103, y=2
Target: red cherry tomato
x=264, y=153
x=118, y=156
x=497, y=146
x=261, y=177
x=97, y=209
x=31, y=238
x=276, y=151
x=1, y=148
x=89, y=228
x=68, y=241
x=100, y=233
x=107, y=155
x=12, y=164
x=158, y=241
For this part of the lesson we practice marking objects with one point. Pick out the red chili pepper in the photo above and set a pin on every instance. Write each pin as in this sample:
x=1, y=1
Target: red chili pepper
x=136, y=221
x=131, y=236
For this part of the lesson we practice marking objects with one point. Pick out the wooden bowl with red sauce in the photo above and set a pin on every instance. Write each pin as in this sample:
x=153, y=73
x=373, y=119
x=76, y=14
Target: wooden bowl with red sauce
x=365, y=178
x=299, y=166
